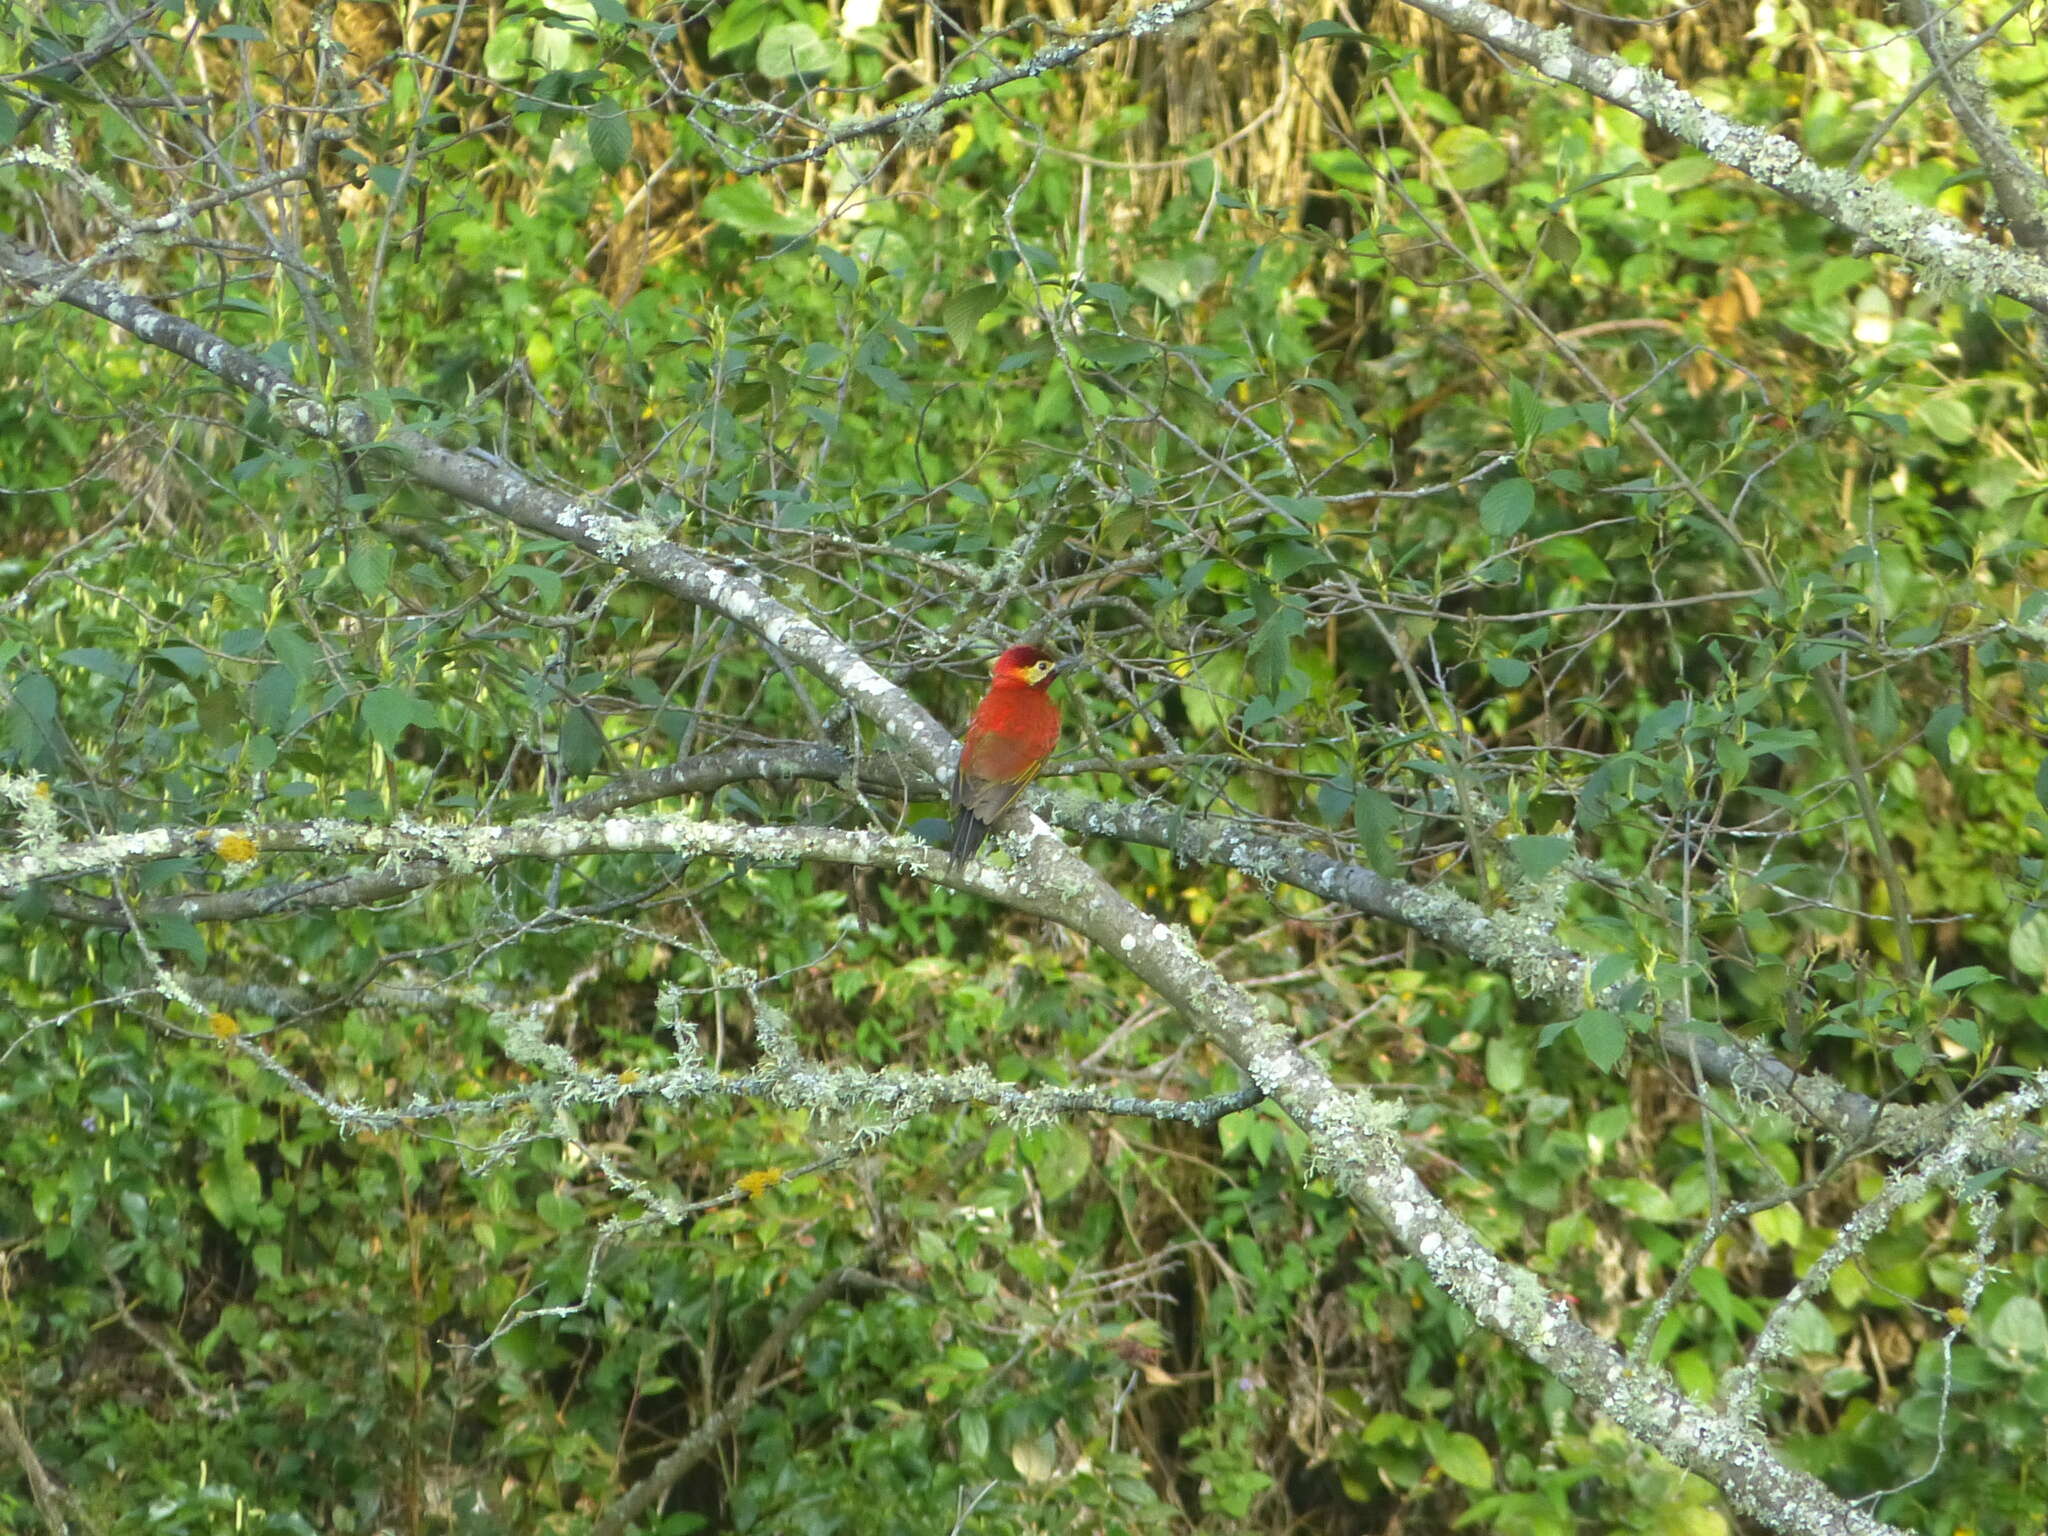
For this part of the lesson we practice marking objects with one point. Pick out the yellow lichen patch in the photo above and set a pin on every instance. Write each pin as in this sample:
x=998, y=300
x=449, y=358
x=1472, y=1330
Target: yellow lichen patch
x=752, y=1184
x=223, y=1026
x=236, y=847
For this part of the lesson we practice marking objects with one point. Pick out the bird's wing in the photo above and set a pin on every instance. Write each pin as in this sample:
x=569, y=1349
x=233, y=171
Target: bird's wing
x=994, y=770
x=987, y=799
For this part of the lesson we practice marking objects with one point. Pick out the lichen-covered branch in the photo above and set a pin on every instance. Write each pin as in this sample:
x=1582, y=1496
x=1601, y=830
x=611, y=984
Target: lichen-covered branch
x=2021, y=189
x=1352, y=1136
x=476, y=479
x=1544, y=969
x=1871, y=211
x=1977, y=1130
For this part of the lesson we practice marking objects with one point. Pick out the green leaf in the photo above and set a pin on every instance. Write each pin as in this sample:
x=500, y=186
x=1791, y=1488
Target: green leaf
x=98, y=659
x=1561, y=243
x=1942, y=728
x=1100, y=349
x=1471, y=157
x=1602, y=1036
x=1508, y=671
x=1507, y=1065
x=1525, y=412
x=1948, y=418
x=387, y=712
x=369, y=566
x=1379, y=827
x=546, y=584
x=1836, y=277
x=1394, y=1427
x=1035, y=1457
x=794, y=48
x=2027, y=946
x=1639, y=1197
x=1807, y=1330
x=170, y=931
x=1614, y=966
x=581, y=742
x=292, y=648
x=559, y=1212
x=1463, y=1459
x=268, y=1260
x=1345, y=168
x=964, y=310
x=1779, y=741
x=1968, y=976
x=1506, y=506
x=2021, y=1328
x=35, y=701
x=1176, y=282
x=271, y=698
x=232, y=1190
x=611, y=137
x=840, y=265
x=749, y=208
x=1061, y=1156
x=1781, y=1226
x=1272, y=647
x=1538, y=856
x=1290, y=557
x=1659, y=724
x=189, y=661
x=738, y=25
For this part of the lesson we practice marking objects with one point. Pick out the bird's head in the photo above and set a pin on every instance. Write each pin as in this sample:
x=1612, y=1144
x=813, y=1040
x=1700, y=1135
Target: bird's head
x=1030, y=667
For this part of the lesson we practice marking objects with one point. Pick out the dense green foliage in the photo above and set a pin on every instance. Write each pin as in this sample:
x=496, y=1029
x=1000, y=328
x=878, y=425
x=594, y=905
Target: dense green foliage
x=1442, y=474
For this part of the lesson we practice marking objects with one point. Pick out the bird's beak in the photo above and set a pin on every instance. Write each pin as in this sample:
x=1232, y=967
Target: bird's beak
x=1069, y=665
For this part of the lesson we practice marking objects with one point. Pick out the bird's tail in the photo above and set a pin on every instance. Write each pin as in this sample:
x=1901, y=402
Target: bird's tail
x=969, y=833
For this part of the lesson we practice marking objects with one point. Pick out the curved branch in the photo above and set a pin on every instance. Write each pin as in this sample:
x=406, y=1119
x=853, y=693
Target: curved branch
x=476, y=479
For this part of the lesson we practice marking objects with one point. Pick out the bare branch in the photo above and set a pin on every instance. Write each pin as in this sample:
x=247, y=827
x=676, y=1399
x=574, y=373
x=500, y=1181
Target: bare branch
x=739, y=1400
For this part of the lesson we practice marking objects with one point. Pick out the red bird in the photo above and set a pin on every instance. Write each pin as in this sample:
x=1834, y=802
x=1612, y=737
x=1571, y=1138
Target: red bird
x=1011, y=736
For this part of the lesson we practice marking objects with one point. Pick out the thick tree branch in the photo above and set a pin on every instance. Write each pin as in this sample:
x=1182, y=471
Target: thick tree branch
x=1543, y=969
x=1353, y=1136
x=2021, y=189
x=1871, y=211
